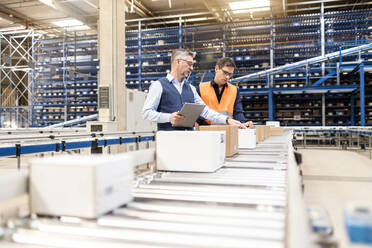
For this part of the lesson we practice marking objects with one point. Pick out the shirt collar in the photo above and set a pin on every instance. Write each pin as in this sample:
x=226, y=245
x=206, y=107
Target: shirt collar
x=172, y=79
x=214, y=84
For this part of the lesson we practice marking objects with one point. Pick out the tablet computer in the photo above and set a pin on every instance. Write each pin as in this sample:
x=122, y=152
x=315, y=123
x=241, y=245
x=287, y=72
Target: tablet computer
x=191, y=111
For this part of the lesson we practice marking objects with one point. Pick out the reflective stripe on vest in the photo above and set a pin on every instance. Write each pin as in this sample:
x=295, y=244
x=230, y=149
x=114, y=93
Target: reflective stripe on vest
x=209, y=97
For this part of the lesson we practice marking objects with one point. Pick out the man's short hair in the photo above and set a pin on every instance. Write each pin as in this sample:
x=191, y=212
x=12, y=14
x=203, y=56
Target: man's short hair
x=181, y=53
x=222, y=62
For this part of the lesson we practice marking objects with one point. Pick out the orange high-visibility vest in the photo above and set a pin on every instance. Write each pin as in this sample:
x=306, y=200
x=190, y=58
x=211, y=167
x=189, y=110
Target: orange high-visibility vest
x=209, y=97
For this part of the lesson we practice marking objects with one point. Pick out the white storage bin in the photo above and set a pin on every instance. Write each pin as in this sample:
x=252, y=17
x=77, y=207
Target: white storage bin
x=247, y=138
x=81, y=186
x=190, y=150
x=273, y=123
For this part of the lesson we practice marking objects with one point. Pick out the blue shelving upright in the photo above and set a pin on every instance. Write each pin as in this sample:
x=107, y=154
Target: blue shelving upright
x=254, y=45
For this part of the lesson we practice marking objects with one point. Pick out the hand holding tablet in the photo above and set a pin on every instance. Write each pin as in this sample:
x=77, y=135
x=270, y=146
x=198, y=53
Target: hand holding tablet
x=191, y=112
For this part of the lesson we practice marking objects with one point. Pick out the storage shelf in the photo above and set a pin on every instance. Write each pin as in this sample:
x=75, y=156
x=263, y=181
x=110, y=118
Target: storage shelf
x=248, y=43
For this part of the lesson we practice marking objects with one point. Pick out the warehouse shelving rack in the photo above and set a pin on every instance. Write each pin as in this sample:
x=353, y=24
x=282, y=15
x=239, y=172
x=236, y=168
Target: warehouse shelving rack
x=270, y=97
x=256, y=46
x=17, y=67
x=148, y=53
x=303, y=104
x=65, y=83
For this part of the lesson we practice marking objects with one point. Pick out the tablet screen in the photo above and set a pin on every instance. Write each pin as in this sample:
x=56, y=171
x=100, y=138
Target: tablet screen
x=191, y=111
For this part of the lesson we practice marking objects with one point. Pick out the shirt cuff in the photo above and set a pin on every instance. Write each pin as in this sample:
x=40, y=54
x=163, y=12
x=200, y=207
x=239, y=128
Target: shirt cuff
x=164, y=117
x=222, y=119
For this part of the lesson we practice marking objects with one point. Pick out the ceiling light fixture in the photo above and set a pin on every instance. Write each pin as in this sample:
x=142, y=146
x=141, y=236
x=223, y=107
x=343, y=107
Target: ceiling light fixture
x=12, y=28
x=71, y=24
x=249, y=6
x=68, y=23
x=50, y=3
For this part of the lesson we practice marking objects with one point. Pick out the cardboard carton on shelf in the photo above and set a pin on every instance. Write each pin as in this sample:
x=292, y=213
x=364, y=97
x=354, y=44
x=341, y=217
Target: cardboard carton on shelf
x=232, y=143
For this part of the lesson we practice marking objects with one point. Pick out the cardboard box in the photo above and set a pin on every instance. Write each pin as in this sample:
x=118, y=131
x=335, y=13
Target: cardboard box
x=232, y=141
x=266, y=132
x=80, y=186
x=276, y=131
x=190, y=150
x=247, y=138
x=260, y=133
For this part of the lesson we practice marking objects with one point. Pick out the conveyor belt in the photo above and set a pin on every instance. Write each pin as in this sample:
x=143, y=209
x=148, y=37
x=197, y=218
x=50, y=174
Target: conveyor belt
x=255, y=165
x=243, y=204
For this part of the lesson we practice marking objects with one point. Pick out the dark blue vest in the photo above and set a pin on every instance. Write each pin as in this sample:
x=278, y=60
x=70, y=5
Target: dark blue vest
x=171, y=101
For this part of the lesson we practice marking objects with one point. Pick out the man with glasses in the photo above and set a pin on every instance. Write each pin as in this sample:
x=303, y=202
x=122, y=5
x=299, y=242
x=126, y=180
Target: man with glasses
x=167, y=96
x=222, y=96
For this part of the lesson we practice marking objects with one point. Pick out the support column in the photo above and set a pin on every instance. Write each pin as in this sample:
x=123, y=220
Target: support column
x=352, y=105
x=338, y=72
x=224, y=41
x=1, y=79
x=271, y=105
x=180, y=32
x=323, y=110
x=64, y=76
x=272, y=38
x=139, y=55
x=362, y=96
x=322, y=36
x=111, y=84
x=322, y=48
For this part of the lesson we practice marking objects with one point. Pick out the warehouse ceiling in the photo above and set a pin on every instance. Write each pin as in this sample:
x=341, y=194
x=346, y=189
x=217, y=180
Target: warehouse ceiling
x=47, y=15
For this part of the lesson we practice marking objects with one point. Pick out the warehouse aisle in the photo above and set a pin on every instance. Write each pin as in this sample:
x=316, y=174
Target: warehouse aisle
x=334, y=178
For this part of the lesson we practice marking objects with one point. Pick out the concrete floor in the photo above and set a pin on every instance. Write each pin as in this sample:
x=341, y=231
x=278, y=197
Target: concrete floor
x=333, y=179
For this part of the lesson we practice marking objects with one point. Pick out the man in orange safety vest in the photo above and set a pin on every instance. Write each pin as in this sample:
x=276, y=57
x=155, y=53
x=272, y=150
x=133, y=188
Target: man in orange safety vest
x=222, y=96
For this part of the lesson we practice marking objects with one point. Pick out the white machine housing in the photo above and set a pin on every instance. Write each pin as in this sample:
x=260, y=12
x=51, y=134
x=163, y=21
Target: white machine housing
x=247, y=138
x=135, y=122
x=273, y=123
x=81, y=186
x=13, y=183
x=190, y=150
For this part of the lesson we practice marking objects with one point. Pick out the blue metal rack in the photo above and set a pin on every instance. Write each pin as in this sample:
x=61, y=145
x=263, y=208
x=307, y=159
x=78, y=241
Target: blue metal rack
x=255, y=46
x=65, y=84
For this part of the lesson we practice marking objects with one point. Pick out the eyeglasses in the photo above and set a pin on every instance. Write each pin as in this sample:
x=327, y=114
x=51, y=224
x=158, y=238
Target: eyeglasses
x=190, y=63
x=226, y=73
